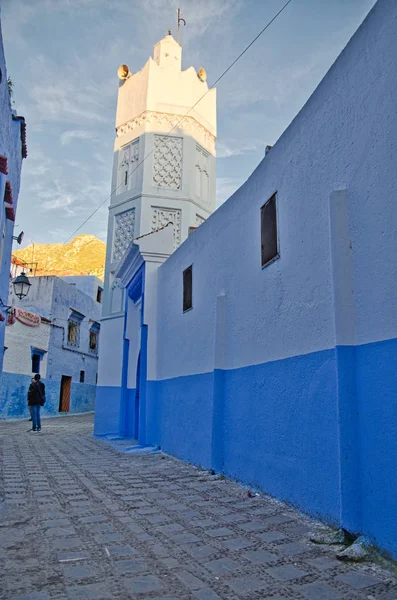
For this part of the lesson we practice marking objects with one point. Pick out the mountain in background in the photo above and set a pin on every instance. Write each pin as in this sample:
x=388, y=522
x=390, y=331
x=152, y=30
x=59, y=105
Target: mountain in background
x=84, y=255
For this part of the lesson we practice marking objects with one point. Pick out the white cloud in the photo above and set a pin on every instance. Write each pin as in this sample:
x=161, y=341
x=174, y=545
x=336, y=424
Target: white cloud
x=75, y=134
x=226, y=150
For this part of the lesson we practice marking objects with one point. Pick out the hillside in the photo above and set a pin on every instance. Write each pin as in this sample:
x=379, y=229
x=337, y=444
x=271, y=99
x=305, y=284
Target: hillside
x=84, y=255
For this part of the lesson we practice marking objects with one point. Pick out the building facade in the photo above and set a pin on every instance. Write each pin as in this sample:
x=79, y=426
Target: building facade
x=12, y=151
x=54, y=331
x=163, y=179
x=266, y=345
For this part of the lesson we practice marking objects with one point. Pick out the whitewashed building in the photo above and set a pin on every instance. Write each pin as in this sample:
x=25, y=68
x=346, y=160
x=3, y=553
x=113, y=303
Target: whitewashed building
x=163, y=179
x=54, y=331
x=265, y=346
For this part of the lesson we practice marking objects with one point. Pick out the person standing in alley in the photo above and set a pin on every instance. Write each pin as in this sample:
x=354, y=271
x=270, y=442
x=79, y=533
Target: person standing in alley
x=29, y=407
x=36, y=399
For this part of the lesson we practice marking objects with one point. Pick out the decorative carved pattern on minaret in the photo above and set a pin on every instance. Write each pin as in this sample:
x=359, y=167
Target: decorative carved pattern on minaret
x=163, y=216
x=128, y=161
x=167, y=162
x=169, y=121
x=124, y=230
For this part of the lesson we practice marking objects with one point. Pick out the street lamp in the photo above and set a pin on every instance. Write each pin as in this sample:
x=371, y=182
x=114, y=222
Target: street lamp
x=21, y=285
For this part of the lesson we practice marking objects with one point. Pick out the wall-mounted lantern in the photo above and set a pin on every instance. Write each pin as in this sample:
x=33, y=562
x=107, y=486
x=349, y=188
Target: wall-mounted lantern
x=21, y=286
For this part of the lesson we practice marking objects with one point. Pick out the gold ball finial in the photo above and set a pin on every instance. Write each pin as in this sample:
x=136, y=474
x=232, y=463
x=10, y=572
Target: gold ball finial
x=123, y=72
x=202, y=74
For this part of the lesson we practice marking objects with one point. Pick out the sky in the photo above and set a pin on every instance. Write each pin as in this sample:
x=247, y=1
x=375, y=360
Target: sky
x=63, y=55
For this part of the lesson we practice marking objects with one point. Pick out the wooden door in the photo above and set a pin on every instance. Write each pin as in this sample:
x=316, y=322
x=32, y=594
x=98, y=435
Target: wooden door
x=64, y=400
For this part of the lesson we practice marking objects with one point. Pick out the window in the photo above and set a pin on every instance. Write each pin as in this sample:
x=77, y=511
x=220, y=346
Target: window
x=125, y=177
x=188, y=288
x=96, y=379
x=269, y=240
x=74, y=322
x=82, y=375
x=36, y=363
x=94, y=337
x=37, y=354
x=73, y=333
x=99, y=295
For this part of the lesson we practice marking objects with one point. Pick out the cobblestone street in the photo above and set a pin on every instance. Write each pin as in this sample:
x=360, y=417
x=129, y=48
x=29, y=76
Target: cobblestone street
x=81, y=521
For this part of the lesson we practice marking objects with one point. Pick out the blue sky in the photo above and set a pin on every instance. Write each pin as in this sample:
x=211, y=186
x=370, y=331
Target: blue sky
x=62, y=56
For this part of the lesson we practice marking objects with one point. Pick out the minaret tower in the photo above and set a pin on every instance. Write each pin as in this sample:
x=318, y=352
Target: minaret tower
x=164, y=161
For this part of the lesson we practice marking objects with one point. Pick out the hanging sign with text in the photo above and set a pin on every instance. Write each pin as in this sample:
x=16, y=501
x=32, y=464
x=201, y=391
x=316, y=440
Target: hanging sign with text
x=27, y=318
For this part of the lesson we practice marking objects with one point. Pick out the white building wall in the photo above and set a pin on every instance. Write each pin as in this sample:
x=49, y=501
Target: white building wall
x=54, y=299
x=18, y=340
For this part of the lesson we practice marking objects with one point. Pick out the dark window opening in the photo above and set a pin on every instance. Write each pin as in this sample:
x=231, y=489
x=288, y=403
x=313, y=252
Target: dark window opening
x=99, y=295
x=188, y=288
x=125, y=177
x=93, y=340
x=73, y=333
x=269, y=241
x=36, y=363
x=82, y=376
x=96, y=379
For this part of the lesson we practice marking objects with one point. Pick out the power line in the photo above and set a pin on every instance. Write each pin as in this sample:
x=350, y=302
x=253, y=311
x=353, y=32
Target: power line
x=185, y=115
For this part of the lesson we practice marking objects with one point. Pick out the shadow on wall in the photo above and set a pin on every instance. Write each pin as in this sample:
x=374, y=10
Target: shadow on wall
x=14, y=393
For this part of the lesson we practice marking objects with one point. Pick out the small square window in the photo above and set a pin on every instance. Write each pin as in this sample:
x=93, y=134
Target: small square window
x=269, y=237
x=188, y=288
x=82, y=376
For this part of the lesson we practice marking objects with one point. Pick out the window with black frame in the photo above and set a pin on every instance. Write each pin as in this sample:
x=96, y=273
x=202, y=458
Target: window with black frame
x=269, y=233
x=188, y=288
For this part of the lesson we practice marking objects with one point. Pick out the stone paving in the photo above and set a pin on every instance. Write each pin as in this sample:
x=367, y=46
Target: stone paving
x=80, y=521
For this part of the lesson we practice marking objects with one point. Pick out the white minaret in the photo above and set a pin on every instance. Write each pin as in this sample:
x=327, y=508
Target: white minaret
x=164, y=161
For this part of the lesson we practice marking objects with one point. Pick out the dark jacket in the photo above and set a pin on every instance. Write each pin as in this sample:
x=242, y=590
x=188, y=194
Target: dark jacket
x=36, y=393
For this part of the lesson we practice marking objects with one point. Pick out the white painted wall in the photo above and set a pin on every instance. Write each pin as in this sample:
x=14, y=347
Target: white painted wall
x=341, y=140
x=19, y=339
x=110, y=360
x=88, y=284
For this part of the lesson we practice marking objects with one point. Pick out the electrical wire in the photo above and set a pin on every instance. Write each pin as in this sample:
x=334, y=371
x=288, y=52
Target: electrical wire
x=184, y=116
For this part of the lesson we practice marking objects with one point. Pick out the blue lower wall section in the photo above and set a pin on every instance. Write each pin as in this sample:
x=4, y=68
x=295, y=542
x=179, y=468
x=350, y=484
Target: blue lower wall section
x=376, y=371
x=186, y=417
x=14, y=393
x=107, y=410
x=317, y=430
x=281, y=432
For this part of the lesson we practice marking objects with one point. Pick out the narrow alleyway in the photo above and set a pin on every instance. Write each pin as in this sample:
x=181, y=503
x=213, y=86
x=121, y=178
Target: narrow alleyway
x=80, y=521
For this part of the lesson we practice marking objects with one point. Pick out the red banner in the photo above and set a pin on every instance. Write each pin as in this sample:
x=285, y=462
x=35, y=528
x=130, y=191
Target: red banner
x=27, y=318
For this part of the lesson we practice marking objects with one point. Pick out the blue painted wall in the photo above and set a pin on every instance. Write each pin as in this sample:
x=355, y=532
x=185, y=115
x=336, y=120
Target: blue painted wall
x=107, y=410
x=377, y=393
x=14, y=393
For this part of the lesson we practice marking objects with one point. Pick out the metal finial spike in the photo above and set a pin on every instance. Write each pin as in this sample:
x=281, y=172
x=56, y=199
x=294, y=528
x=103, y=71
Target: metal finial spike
x=180, y=20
